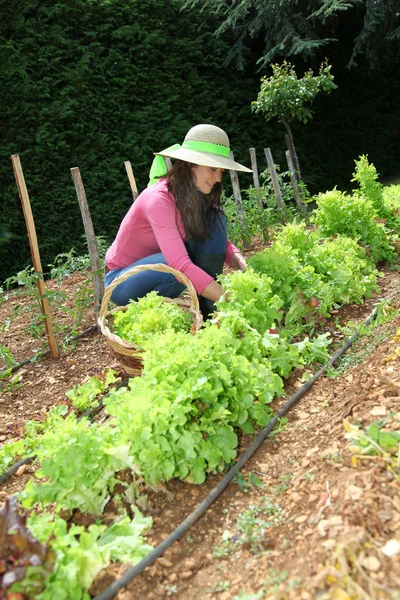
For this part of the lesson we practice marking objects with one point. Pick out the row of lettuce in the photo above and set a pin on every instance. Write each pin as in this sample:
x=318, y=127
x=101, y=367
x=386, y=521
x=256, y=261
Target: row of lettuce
x=181, y=418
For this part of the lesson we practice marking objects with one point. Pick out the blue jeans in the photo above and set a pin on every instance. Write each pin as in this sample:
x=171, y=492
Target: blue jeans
x=165, y=284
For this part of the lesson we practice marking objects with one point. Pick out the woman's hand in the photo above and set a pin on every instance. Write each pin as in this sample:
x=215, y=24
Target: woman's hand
x=238, y=262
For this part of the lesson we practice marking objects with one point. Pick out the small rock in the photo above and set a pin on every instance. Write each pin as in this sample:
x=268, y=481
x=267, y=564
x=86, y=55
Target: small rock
x=190, y=564
x=21, y=470
x=302, y=415
x=378, y=411
x=186, y=574
x=371, y=563
x=52, y=380
x=353, y=492
x=312, y=451
x=391, y=548
x=173, y=577
x=164, y=562
x=333, y=525
x=301, y=519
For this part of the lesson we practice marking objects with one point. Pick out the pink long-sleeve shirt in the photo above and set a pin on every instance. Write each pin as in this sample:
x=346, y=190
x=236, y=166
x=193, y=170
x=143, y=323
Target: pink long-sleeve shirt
x=153, y=224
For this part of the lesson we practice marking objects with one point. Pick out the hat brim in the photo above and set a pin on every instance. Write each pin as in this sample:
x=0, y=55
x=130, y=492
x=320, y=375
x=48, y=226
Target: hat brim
x=204, y=159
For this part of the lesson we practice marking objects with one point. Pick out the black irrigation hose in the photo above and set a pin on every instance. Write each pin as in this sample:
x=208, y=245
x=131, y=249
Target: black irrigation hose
x=46, y=352
x=89, y=413
x=112, y=590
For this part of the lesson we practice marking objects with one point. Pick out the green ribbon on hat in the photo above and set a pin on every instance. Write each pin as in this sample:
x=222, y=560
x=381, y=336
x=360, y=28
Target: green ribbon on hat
x=159, y=168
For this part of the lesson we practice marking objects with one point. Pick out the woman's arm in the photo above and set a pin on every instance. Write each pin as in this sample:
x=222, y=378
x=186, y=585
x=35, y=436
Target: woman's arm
x=238, y=262
x=213, y=291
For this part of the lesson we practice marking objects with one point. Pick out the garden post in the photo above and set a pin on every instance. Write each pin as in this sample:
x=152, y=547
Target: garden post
x=131, y=178
x=239, y=204
x=37, y=265
x=293, y=155
x=97, y=274
x=275, y=183
x=255, y=176
x=293, y=178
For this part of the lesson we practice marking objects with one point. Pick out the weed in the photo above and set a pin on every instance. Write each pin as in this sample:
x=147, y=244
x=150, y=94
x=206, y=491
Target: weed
x=13, y=384
x=171, y=589
x=251, y=528
x=336, y=458
x=221, y=586
x=7, y=357
x=280, y=426
x=307, y=476
x=246, y=483
x=245, y=596
x=369, y=337
x=283, y=486
x=74, y=307
x=275, y=579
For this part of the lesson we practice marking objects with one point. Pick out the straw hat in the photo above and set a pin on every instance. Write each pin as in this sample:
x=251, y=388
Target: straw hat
x=205, y=145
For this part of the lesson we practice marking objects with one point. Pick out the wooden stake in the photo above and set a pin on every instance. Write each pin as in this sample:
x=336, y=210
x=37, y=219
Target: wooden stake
x=293, y=156
x=97, y=276
x=239, y=204
x=37, y=265
x=255, y=176
x=275, y=182
x=295, y=186
x=131, y=178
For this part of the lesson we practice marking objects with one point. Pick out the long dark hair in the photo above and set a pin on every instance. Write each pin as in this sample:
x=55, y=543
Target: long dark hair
x=199, y=211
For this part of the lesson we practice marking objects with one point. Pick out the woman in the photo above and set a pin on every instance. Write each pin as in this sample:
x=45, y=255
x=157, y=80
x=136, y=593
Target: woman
x=177, y=220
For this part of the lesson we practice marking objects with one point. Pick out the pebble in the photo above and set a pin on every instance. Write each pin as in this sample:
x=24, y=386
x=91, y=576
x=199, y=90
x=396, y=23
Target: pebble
x=186, y=574
x=164, y=562
x=391, y=548
x=312, y=451
x=21, y=470
x=371, y=563
x=378, y=411
x=301, y=519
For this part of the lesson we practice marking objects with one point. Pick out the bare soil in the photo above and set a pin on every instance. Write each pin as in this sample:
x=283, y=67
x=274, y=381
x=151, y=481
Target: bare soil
x=336, y=517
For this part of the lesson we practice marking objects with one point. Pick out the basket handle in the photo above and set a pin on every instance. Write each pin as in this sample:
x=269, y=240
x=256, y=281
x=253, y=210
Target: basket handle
x=194, y=301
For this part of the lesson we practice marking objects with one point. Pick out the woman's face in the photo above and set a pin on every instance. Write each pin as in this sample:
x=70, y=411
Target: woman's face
x=206, y=177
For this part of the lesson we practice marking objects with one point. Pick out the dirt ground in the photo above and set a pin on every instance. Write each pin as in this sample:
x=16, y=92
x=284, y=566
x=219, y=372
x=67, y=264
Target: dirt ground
x=306, y=519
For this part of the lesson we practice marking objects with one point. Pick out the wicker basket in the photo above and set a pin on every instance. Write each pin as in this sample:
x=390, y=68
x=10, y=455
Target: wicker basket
x=128, y=355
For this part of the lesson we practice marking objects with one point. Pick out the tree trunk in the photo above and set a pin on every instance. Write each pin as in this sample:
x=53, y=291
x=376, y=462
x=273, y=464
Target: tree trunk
x=292, y=149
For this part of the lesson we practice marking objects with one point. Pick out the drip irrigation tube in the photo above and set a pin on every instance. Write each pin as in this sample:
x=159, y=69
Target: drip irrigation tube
x=89, y=413
x=46, y=352
x=112, y=590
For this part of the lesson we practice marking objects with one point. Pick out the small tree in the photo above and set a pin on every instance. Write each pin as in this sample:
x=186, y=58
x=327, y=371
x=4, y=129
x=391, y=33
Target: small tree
x=284, y=95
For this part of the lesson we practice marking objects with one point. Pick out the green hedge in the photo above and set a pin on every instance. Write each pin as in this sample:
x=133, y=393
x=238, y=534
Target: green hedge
x=92, y=83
